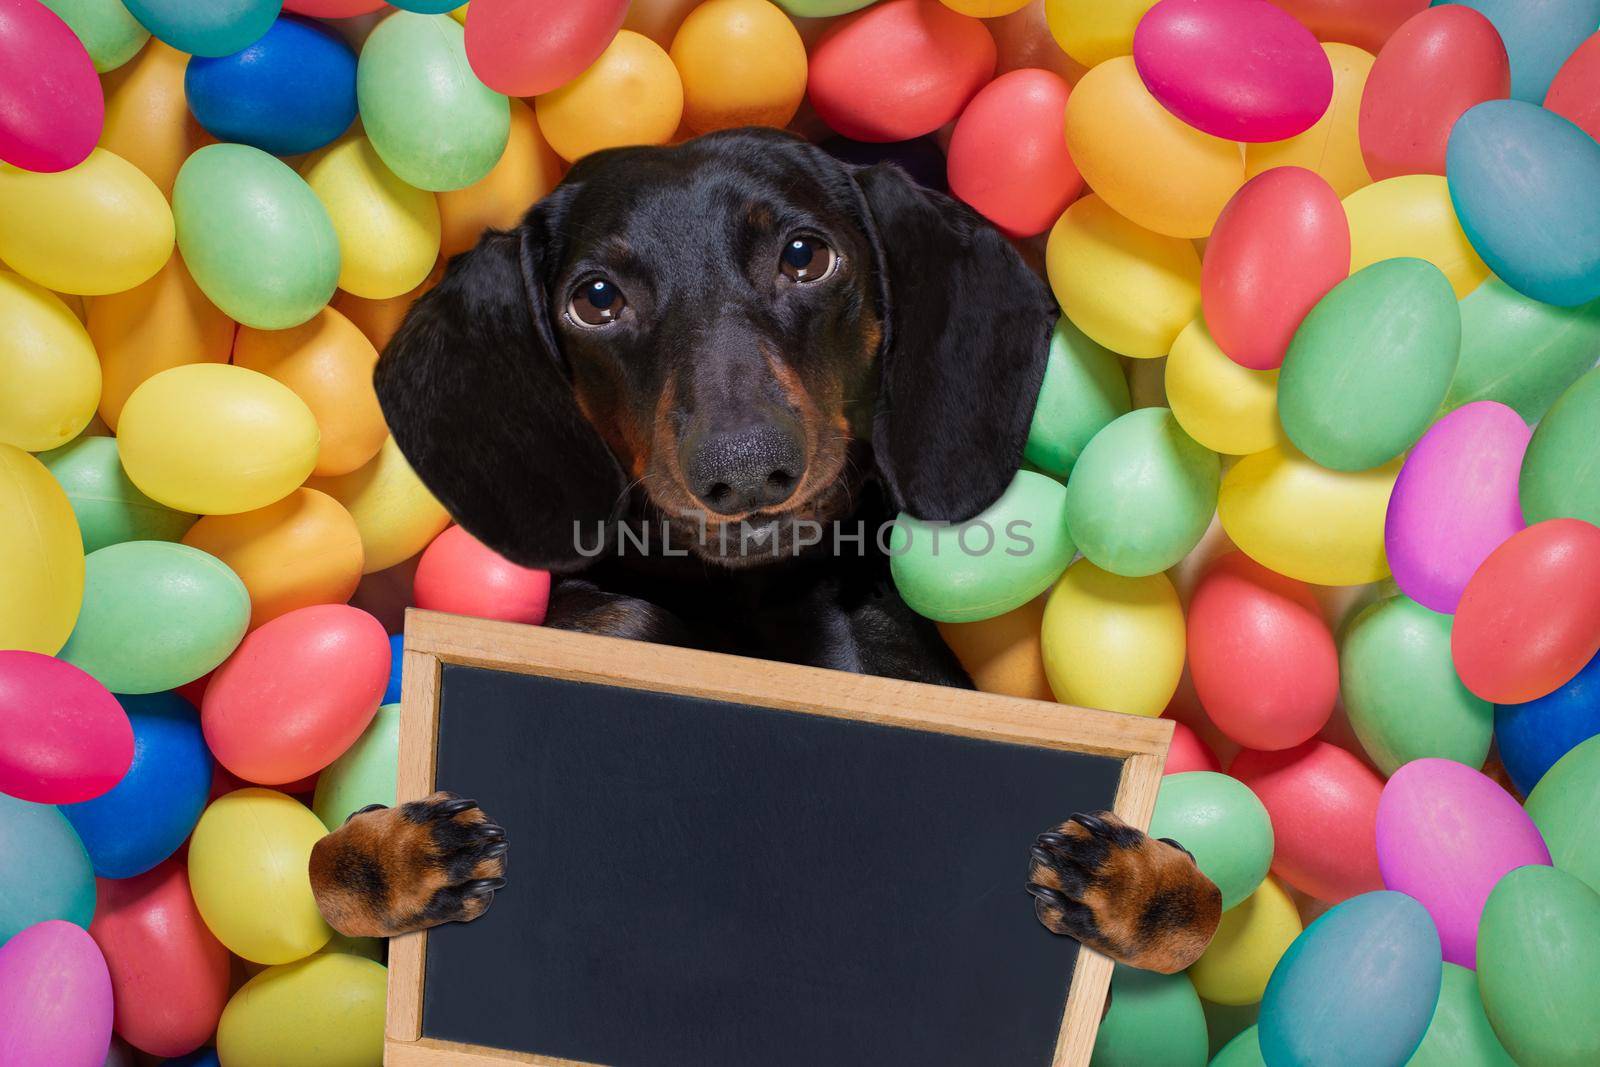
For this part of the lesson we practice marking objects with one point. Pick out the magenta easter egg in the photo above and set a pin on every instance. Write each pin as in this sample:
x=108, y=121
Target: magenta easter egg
x=1242, y=70
x=55, y=998
x=51, y=106
x=1446, y=835
x=1455, y=502
x=1279, y=245
x=63, y=738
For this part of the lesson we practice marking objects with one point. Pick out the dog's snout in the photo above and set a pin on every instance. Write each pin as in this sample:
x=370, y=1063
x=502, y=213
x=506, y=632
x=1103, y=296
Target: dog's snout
x=746, y=469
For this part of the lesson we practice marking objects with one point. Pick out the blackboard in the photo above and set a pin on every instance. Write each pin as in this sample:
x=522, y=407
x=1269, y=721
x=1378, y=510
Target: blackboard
x=721, y=862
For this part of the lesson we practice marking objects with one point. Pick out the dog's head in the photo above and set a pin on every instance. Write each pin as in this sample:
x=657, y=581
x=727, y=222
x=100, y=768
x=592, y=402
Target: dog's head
x=734, y=331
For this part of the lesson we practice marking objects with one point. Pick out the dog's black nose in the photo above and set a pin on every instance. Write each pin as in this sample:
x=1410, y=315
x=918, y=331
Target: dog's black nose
x=758, y=466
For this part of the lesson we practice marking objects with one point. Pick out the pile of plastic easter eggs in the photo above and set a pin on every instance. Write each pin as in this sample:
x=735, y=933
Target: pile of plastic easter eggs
x=1314, y=471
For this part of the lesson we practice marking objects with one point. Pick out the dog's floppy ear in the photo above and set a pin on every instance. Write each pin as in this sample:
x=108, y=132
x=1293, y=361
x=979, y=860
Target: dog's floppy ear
x=966, y=337
x=476, y=396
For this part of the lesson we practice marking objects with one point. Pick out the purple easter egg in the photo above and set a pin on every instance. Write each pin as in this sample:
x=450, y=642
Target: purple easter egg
x=1455, y=502
x=1446, y=835
x=55, y=998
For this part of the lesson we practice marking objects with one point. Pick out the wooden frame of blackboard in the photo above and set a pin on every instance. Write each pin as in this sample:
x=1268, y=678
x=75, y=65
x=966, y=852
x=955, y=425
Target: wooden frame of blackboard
x=434, y=639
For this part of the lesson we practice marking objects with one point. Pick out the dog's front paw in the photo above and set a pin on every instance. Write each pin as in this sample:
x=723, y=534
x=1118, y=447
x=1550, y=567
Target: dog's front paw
x=1141, y=901
x=389, y=871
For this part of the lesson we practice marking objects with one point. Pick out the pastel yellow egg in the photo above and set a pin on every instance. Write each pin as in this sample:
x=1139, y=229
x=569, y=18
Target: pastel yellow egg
x=1320, y=526
x=323, y=1011
x=388, y=231
x=1113, y=642
x=1248, y=943
x=47, y=364
x=1226, y=407
x=148, y=122
x=528, y=169
x=985, y=9
x=101, y=227
x=1412, y=216
x=1093, y=31
x=630, y=95
x=742, y=63
x=41, y=556
x=394, y=511
x=1128, y=288
x=1331, y=147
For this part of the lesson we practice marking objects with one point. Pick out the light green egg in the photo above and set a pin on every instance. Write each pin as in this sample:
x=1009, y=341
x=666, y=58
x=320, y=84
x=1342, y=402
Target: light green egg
x=364, y=775
x=44, y=871
x=109, y=507
x=1521, y=351
x=1153, y=1019
x=156, y=615
x=821, y=9
x=1565, y=806
x=1460, y=1034
x=110, y=34
x=1538, y=967
x=1243, y=1051
x=1084, y=389
x=999, y=560
x=255, y=237
x=1222, y=824
x=1561, y=470
x=431, y=120
x=1370, y=365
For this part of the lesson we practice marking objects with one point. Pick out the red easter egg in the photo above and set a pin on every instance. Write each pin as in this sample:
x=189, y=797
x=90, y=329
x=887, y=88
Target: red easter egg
x=461, y=575
x=1264, y=664
x=63, y=738
x=1440, y=63
x=296, y=693
x=528, y=47
x=169, y=974
x=51, y=105
x=1008, y=157
x=898, y=69
x=1323, y=803
x=1279, y=245
x=1189, y=753
x=1363, y=23
x=1529, y=619
x=1575, y=92
x=332, y=9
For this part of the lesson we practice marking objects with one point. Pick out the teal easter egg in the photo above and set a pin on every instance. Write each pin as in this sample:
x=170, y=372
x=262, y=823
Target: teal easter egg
x=1519, y=351
x=996, y=561
x=1401, y=690
x=156, y=615
x=429, y=117
x=109, y=507
x=1084, y=389
x=1222, y=824
x=1565, y=806
x=1538, y=968
x=364, y=775
x=1522, y=180
x=1243, y=1051
x=108, y=30
x=44, y=871
x=1142, y=494
x=1460, y=1034
x=1561, y=470
x=1370, y=365
x=206, y=27
x=1358, y=986
x=255, y=237
x=1153, y=1018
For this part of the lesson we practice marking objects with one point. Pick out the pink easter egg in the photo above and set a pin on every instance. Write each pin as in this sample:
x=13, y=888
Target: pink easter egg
x=55, y=998
x=1455, y=502
x=63, y=738
x=51, y=106
x=1446, y=835
x=461, y=575
x=1243, y=70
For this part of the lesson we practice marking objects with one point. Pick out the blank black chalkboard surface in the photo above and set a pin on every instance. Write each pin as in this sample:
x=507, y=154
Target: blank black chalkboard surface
x=724, y=862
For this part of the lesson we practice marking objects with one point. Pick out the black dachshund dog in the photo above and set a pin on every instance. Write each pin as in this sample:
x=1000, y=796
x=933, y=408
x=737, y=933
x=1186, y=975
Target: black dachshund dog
x=694, y=383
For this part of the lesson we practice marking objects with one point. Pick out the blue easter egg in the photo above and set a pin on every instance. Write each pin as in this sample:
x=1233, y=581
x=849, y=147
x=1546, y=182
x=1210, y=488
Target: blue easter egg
x=1523, y=181
x=292, y=91
x=44, y=871
x=1359, y=985
x=391, y=694
x=200, y=1057
x=1539, y=35
x=206, y=27
x=1534, y=735
x=147, y=815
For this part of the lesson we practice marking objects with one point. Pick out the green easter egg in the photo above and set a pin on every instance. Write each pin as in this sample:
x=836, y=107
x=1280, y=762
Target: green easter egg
x=1538, y=968
x=1561, y=471
x=1084, y=389
x=1223, y=826
x=1370, y=365
x=156, y=615
x=1402, y=692
x=1243, y=1051
x=1142, y=494
x=1520, y=351
x=44, y=871
x=429, y=117
x=999, y=560
x=109, y=507
x=255, y=237
x=821, y=9
x=110, y=34
x=1565, y=806
x=1460, y=1034
x=1154, y=1018
x=364, y=775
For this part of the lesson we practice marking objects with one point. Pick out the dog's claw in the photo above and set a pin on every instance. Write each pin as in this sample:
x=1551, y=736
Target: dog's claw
x=492, y=831
x=1053, y=839
x=1092, y=823
x=479, y=887
x=454, y=807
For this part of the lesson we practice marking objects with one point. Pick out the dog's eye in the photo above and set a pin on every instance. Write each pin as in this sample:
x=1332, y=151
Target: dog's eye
x=806, y=259
x=597, y=303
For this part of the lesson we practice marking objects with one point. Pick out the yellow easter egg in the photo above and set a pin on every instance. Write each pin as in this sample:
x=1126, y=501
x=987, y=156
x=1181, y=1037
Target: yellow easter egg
x=1128, y=288
x=1001, y=654
x=528, y=169
x=50, y=376
x=148, y=122
x=388, y=231
x=249, y=872
x=630, y=95
x=1093, y=31
x=41, y=556
x=1249, y=941
x=1226, y=407
x=1332, y=146
x=1412, y=215
x=214, y=439
x=1320, y=526
x=101, y=227
x=742, y=63
x=324, y=1011
x=394, y=511
x=1113, y=642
